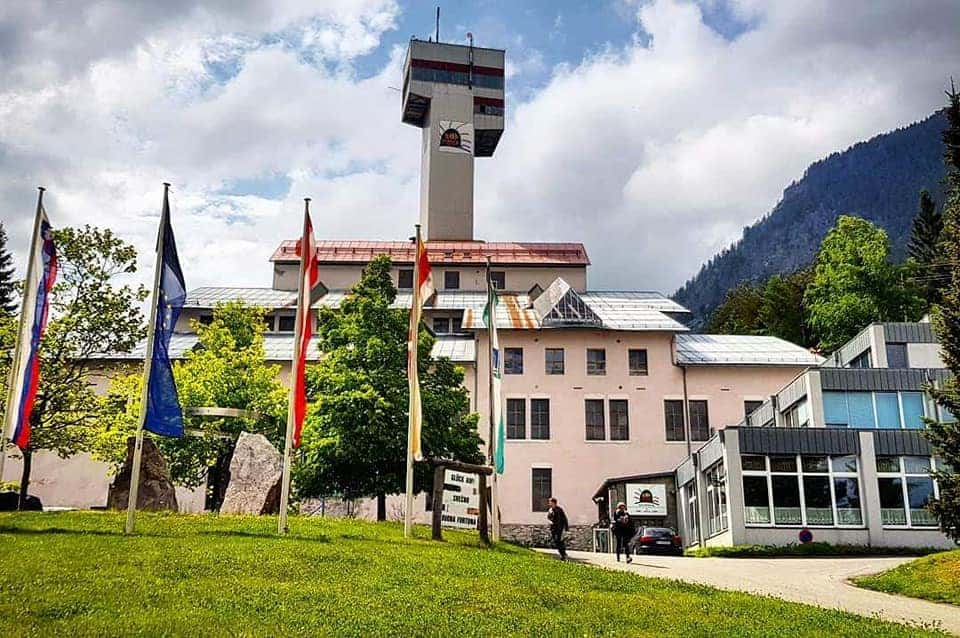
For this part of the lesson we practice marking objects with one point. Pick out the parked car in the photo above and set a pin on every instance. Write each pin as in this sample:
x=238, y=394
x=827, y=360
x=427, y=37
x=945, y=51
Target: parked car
x=662, y=540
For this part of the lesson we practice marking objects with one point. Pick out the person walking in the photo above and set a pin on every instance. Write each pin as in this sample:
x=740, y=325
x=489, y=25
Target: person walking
x=558, y=525
x=622, y=531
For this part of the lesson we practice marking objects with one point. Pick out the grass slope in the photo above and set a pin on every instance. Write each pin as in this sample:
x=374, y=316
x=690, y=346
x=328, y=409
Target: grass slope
x=74, y=573
x=935, y=577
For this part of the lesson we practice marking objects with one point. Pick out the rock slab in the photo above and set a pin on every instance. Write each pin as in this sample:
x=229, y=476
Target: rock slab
x=255, y=473
x=156, y=491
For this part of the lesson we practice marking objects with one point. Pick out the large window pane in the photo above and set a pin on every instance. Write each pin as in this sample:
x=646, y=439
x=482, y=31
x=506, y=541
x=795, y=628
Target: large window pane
x=897, y=355
x=513, y=360
x=594, y=419
x=783, y=464
x=637, y=360
x=912, y=409
x=844, y=463
x=619, y=420
x=891, y=501
x=835, y=413
x=816, y=494
x=888, y=410
x=920, y=493
x=814, y=463
x=888, y=463
x=540, y=419
x=516, y=418
x=756, y=500
x=860, y=405
x=916, y=464
x=554, y=360
x=786, y=500
x=596, y=361
x=542, y=484
x=699, y=421
x=673, y=416
x=847, y=491
x=756, y=463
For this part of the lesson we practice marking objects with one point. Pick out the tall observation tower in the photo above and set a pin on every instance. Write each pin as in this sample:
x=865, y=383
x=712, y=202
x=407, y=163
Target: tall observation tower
x=455, y=94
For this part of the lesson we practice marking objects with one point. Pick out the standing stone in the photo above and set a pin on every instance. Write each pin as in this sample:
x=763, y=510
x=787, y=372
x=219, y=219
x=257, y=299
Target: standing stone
x=255, y=473
x=156, y=491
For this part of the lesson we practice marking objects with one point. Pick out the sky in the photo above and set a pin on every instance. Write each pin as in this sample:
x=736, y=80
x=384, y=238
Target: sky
x=651, y=131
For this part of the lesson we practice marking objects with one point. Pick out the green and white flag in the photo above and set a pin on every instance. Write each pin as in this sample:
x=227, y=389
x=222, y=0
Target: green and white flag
x=496, y=374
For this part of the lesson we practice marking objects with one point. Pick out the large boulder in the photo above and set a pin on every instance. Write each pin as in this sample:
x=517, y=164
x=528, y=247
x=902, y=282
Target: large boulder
x=256, y=470
x=156, y=491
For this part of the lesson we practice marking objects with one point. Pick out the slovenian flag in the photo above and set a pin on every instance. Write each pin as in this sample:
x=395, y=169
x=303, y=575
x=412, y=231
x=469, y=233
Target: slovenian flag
x=422, y=292
x=42, y=272
x=309, y=278
x=496, y=374
x=164, y=416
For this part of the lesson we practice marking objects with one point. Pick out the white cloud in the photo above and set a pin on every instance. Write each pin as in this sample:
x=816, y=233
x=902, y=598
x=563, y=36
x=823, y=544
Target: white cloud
x=654, y=157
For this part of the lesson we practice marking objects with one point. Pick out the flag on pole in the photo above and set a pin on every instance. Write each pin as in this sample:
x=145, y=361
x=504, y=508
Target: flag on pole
x=423, y=291
x=41, y=274
x=164, y=416
x=310, y=274
x=496, y=374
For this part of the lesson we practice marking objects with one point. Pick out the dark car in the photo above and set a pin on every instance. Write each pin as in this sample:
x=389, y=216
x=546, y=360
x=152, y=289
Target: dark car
x=661, y=540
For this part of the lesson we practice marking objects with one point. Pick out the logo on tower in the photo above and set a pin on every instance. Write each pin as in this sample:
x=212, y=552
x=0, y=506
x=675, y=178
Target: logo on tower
x=456, y=137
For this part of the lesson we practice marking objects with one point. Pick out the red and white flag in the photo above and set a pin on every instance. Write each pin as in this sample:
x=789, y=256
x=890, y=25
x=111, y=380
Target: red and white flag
x=423, y=290
x=309, y=278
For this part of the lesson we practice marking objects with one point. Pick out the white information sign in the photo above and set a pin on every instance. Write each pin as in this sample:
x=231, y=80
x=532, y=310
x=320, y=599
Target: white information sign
x=455, y=137
x=461, y=500
x=646, y=499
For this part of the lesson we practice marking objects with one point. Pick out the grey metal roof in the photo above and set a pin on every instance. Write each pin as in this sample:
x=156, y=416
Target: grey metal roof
x=643, y=298
x=697, y=349
x=279, y=347
x=264, y=297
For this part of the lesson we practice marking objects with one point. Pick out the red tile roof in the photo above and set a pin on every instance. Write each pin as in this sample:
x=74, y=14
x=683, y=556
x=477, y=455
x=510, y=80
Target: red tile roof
x=444, y=252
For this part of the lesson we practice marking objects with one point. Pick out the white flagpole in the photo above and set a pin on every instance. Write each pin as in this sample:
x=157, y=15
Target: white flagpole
x=288, y=438
x=412, y=346
x=9, y=416
x=492, y=445
x=147, y=366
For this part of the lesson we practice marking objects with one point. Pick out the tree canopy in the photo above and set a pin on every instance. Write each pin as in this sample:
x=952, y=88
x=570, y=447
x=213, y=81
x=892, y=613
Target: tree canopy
x=8, y=282
x=355, y=435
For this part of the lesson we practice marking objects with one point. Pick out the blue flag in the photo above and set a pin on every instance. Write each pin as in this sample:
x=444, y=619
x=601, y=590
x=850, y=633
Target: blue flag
x=164, y=416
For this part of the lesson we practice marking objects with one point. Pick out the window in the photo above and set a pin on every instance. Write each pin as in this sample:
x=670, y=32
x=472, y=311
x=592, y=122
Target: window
x=286, y=323
x=267, y=322
x=516, y=418
x=803, y=490
x=441, y=325
x=797, y=415
x=873, y=409
x=405, y=278
x=594, y=419
x=888, y=410
x=699, y=422
x=692, y=513
x=456, y=324
x=596, y=361
x=906, y=489
x=619, y=420
x=637, y=359
x=716, y=477
x=897, y=355
x=451, y=279
x=540, y=419
x=542, y=481
x=750, y=406
x=205, y=320
x=553, y=360
x=499, y=279
x=513, y=360
x=912, y=409
x=862, y=360
x=673, y=413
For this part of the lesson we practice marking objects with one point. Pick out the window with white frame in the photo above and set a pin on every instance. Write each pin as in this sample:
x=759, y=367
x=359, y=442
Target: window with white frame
x=716, y=478
x=819, y=491
x=516, y=418
x=906, y=488
x=690, y=511
x=885, y=410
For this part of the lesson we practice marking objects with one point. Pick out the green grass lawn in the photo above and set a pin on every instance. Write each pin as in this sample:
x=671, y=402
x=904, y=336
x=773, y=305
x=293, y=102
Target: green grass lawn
x=75, y=574
x=935, y=577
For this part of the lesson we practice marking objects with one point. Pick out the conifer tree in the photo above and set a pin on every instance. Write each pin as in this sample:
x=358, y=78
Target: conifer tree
x=8, y=284
x=930, y=273
x=945, y=434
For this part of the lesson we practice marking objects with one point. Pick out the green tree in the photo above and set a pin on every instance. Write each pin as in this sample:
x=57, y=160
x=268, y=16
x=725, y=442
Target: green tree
x=227, y=369
x=782, y=311
x=355, y=437
x=739, y=313
x=90, y=315
x=854, y=283
x=924, y=251
x=8, y=283
x=945, y=435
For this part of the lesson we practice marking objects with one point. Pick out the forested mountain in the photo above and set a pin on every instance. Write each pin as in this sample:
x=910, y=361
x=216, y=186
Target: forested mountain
x=879, y=179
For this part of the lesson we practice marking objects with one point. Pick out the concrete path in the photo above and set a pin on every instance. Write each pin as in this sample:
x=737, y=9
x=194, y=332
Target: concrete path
x=815, y=581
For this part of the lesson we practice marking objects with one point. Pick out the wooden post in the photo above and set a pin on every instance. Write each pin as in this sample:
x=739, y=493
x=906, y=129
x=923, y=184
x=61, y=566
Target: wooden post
x=438, y=476
x=482, y=519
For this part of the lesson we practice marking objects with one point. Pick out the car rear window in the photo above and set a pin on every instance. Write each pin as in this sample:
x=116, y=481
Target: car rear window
x=658, y=531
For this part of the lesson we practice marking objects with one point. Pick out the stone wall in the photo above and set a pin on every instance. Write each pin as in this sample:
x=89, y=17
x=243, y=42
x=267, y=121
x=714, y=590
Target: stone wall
x=579, y=537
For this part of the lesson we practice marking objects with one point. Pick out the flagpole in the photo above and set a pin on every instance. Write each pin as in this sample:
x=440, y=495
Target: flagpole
x=147, y=367
x=282, y=527
x=412, y=355
x=8, y=414
x=491, y=441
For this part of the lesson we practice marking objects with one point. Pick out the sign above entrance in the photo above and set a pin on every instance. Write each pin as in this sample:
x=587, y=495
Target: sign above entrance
x=646, y=499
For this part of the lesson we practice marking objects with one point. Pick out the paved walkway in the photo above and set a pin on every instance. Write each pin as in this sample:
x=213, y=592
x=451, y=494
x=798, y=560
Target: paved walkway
x=815, y=581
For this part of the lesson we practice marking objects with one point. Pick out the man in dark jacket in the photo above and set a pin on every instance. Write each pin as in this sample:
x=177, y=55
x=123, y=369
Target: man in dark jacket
x=622, y=531
x=558, y=525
